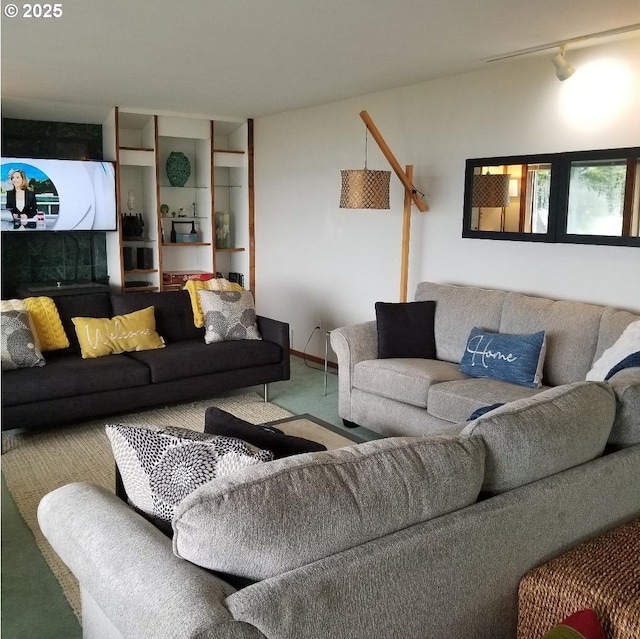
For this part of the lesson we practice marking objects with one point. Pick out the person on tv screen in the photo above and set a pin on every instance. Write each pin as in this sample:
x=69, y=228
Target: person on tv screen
x=21, y=200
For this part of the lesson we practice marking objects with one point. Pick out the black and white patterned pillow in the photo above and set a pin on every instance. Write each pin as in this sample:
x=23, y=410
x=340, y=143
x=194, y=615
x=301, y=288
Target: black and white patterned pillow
x=161, y=465
x=228, y=315
x=20, y=348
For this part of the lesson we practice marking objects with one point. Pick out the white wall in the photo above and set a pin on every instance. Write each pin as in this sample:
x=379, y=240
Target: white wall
x=316, y=261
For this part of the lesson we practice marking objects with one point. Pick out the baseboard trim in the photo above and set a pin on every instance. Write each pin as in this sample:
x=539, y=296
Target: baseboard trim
x=313, y=358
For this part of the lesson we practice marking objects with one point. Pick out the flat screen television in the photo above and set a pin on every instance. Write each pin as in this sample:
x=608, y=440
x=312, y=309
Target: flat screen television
x=61, y=195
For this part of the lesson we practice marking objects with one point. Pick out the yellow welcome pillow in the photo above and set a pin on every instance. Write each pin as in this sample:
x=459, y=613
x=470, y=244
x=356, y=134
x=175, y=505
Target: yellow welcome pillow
x=122, y=333
x=46, y=321
x=216, y=284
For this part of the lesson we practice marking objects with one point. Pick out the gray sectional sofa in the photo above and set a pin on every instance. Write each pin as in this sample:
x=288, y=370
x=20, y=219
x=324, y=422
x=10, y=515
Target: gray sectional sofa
x=398, y=538
x=69, y=388
x=412, y=396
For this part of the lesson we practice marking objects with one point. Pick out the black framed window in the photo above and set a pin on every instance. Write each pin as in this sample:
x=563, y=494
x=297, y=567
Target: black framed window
x=584, y=197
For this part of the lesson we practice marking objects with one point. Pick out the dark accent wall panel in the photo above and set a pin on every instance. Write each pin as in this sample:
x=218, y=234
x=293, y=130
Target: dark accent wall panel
x=62, y=140
x=64, y=256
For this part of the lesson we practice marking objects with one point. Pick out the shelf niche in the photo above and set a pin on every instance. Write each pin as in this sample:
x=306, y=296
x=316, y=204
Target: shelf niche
x=219, y=157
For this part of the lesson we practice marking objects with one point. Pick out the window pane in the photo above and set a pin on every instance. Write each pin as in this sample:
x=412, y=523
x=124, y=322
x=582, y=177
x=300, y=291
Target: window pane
x=596, y=197
x=538, y=190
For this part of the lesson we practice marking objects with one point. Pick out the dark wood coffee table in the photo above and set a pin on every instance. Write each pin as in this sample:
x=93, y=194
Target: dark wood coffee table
x=317, y=430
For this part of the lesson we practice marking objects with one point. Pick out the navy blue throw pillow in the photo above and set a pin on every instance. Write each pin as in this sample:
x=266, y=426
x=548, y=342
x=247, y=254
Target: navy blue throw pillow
x=512, y=358
x=628, y=362
x=479, y=412
x=405, y=329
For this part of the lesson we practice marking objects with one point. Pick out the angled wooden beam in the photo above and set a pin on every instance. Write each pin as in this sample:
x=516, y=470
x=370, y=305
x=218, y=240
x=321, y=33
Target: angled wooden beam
x=386, y=151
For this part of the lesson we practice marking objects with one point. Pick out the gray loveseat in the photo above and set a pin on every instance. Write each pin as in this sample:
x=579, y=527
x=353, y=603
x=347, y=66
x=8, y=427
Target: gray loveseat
x=418, y=396
x=399, y=538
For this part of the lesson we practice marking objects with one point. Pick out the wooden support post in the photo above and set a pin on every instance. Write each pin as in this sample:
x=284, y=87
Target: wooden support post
x=410, y=196
x=406, y=238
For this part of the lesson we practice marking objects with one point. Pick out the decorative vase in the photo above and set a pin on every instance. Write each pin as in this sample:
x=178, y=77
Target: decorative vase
x=178, y=168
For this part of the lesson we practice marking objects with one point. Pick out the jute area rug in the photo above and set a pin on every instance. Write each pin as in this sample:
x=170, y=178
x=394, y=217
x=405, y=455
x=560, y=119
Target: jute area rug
x=35, y=463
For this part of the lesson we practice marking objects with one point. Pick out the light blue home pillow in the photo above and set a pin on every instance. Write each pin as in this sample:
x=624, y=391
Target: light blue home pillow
x=512, y=358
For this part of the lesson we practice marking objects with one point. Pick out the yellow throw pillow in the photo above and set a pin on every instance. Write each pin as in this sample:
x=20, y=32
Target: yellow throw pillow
x=216, y=284
x=46, y=321
x=131, y=332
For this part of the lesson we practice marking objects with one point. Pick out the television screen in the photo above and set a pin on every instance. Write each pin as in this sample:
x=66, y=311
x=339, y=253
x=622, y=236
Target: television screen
x=57, y=195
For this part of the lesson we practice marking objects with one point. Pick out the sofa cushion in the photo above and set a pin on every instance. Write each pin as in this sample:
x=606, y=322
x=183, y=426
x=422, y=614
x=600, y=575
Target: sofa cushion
x=627, y=344
x=456, y=400
x=571, y=330
x=405, y=329
x=174, y=319
x=407, y=380
x=67, y=375
x=290, y=512
x=228, y=315
x=190, y=358
x=458, y=310
x=122, y=333
x=512, y=358
x=90, y=305
x=20, y=348
x=161, y=465
x=550, y=432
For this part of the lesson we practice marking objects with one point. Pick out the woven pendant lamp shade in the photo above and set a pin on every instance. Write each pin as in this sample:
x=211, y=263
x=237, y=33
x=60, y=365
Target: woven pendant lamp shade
x=365, y=189
x=490, y=190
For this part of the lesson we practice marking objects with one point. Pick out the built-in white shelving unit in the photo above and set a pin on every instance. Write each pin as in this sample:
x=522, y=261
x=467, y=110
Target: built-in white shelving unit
x=220, y=158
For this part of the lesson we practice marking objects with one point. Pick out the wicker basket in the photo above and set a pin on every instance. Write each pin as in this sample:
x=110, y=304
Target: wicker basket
x=602, y=574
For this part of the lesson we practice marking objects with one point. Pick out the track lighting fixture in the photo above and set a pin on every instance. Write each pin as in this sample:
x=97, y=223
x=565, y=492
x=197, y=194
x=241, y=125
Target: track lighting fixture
x=564, y=70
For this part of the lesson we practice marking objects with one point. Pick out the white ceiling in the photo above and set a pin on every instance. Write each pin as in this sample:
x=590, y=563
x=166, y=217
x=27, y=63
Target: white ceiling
x=251, y=58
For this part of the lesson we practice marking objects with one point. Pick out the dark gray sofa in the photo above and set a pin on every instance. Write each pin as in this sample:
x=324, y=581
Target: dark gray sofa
x=69, y=388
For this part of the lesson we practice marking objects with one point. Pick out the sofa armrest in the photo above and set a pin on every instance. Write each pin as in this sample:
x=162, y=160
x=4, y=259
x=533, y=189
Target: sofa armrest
x=352, y=344
x=127, y=568
x=626, y=427
x=276, y=331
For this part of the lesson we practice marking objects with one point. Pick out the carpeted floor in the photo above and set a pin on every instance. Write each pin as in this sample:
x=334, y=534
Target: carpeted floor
x=33, y=603
x=35, y=463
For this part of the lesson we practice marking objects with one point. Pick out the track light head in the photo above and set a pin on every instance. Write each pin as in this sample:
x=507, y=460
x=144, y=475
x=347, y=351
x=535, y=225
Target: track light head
x=564, y=70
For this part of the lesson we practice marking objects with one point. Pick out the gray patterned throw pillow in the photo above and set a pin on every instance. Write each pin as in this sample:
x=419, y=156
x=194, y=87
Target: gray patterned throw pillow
x=20, y=347
x=228, y=315
x=161, y=465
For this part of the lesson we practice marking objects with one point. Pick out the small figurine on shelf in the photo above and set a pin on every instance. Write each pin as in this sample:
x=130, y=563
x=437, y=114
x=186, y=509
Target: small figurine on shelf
x=223, y=230
x=131, y=200
x=193, y=206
